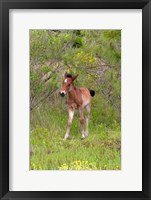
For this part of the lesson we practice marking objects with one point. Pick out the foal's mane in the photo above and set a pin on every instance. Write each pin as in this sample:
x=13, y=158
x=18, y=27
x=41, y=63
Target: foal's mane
x=69, y=76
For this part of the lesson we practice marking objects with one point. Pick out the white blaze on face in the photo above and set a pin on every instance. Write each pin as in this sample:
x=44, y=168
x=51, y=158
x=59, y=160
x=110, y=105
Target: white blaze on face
x=65, y=80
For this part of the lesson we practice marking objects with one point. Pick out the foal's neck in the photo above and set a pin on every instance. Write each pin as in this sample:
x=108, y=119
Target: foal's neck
x=72, y=92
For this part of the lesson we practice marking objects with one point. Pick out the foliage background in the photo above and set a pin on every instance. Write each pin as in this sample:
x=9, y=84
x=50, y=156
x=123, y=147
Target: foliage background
x=96, y=56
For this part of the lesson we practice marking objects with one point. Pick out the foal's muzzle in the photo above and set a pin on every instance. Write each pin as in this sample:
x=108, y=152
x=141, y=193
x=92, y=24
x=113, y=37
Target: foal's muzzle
x=62, y=94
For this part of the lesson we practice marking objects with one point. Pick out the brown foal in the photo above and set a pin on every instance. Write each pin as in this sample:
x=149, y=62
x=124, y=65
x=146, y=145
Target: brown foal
x=78, y=98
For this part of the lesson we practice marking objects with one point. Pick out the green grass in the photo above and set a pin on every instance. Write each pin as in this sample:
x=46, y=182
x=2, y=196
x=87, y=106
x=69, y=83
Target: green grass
x=48, y=151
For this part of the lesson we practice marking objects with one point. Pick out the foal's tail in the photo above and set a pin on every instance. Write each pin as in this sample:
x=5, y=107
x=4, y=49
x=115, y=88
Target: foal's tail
x=92, y=92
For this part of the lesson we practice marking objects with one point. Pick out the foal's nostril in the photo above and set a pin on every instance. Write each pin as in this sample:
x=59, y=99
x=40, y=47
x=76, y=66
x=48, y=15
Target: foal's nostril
x=62, y=94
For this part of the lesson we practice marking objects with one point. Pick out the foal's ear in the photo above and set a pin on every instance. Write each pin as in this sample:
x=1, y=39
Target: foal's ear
x=65, y=75
x=74, y=77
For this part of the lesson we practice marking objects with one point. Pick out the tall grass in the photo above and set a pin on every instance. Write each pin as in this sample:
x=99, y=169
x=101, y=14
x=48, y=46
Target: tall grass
x=101, y=150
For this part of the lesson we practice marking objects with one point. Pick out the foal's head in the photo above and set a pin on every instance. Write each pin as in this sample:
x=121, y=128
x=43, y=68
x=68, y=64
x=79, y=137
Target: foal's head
x=67, y=84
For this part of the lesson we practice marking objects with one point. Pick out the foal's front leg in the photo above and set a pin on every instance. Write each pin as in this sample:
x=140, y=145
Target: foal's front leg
x=70, y=117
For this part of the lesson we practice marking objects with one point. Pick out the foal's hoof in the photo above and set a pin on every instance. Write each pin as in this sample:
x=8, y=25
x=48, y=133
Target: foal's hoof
x=82, y=137
x=65, y=138
x=86, y=134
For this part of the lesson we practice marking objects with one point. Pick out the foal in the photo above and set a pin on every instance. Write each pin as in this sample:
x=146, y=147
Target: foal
x=78, y=98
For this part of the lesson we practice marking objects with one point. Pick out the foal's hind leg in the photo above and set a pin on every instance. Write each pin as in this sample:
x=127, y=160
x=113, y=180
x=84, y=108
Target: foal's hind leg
x=87, y=118
x=71, y=114
x=81, y=119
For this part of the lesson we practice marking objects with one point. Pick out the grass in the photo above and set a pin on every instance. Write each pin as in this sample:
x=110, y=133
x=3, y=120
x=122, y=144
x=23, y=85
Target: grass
x=101, y=150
